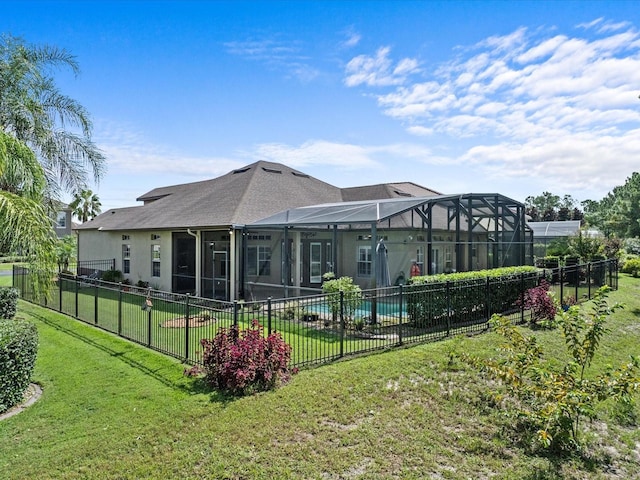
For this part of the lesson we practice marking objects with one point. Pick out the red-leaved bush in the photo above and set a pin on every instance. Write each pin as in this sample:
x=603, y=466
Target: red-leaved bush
x=242, y=362
x=541, y=304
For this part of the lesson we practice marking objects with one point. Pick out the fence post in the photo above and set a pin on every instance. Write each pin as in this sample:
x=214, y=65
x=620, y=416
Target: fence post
x=236, y=306
x=119, y=309
x=522, y=297
x=59, y=292
x=448, y=296
x=186, y=330
x=341, y=323
x=269, y=315
x=487, y=299
x=589, y=280
x=77, y=286
x=149, y=327
x=95, y=303
x=401, y=312
x=562, y=273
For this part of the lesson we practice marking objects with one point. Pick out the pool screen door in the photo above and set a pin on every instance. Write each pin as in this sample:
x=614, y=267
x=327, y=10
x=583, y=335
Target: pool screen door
x=220, y=275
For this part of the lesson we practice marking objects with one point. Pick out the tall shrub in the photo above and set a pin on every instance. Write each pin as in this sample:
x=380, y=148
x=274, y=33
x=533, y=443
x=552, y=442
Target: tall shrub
x=18, y=349
x=8, y=302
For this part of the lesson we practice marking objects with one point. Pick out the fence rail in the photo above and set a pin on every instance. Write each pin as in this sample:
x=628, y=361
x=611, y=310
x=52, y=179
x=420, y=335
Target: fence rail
x=320, y=328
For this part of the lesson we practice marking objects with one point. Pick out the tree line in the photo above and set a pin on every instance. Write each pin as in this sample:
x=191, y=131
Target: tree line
x=616, y=215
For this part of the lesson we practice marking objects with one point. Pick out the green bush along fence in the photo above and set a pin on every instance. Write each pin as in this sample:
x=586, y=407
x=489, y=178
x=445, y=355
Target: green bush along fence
x=320, y=328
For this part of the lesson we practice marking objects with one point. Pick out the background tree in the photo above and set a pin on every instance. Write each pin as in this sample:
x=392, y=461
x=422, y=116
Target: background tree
x=33, y=110
x=45, y=147
x=617, y=214
x=85, y=205
x=549, y=207
x=25, y=225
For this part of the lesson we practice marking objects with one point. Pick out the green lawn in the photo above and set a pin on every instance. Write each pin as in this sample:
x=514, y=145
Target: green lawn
x=111, y=409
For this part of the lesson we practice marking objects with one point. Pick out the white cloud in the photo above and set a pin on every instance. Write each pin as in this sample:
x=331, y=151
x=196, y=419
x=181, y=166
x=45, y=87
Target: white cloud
x=557, y=106
x=276, y=54
x=379, y=70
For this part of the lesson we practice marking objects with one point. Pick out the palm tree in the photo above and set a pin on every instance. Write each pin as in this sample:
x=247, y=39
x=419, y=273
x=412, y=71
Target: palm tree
x=85, y=205
x=24, y=223
x=33, y=110
x=45, y=147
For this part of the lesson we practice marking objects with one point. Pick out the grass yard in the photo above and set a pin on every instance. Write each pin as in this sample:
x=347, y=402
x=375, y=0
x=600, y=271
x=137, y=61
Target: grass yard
x=6, y=280
x=112, y=409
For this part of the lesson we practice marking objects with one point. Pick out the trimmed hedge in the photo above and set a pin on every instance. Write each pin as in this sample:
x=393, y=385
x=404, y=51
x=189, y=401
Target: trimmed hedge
x=18, y=350
x=8, y=302
x=457, y=297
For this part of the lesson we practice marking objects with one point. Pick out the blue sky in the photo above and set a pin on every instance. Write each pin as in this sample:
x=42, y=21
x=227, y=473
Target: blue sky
x=469, y=96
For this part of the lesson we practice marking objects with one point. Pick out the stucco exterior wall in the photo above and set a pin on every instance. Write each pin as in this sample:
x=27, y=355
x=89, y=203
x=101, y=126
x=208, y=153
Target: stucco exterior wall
x=98, y=245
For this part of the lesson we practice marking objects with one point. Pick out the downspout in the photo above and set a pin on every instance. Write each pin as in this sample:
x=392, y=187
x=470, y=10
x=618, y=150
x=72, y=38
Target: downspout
x=198, y=259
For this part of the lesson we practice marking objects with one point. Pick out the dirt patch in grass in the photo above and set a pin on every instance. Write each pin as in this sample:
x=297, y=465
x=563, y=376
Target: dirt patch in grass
x=181, y=322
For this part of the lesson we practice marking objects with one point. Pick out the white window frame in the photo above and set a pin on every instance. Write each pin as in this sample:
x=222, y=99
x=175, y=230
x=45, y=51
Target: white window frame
x=364, y=261
x=259, y=260
x=126, y=258
x=155, y=260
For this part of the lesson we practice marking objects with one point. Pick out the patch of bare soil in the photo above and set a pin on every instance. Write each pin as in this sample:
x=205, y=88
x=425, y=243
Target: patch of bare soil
x=181, y=322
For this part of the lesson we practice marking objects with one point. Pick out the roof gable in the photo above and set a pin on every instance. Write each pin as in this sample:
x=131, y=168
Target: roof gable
x=241, y=196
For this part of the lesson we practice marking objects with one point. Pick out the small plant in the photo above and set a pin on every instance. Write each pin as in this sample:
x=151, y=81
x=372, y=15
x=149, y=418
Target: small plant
x=359, y=324
x=292, y=311
x=568, y=301
x=351, y=295
x=553, y=401
x=241, y=362
x=632, y=267
x=142, y=284
x=541, y=304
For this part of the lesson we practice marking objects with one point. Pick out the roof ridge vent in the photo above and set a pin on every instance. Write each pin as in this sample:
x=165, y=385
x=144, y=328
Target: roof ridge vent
x=241, y=170
x=271, y=170
x=402, y=194
x=300, y=174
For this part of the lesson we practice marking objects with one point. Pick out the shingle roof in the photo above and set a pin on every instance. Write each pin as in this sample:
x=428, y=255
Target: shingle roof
x=241, y=196
x=386, y=190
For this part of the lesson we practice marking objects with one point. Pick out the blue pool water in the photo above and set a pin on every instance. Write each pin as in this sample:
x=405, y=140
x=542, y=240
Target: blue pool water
x=364, y=310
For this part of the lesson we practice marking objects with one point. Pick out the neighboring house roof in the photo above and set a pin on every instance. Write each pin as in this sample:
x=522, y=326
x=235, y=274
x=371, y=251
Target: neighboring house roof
x=554, y=229
x=386, y=190
x=241, y=196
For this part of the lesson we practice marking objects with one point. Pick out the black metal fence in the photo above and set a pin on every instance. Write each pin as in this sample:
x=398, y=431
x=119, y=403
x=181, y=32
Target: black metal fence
x=89, y=267
x=319, y=328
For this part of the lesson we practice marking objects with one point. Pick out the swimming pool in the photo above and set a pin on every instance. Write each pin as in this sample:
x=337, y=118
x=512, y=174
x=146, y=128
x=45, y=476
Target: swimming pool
x=391, y=309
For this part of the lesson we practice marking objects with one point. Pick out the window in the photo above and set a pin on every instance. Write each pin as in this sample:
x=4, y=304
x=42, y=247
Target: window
x=155, y=260
x=126, y=259
x=126, y=237
x=259, y=260
x=155, y=236
x=61, y=220
x=364, y=261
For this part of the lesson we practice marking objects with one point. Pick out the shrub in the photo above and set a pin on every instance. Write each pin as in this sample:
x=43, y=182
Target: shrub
x=632, y=246
x=351, y=295
x=8, y=302
x=541, y=304
x=242, y=362
x=113, y=276
x=632, y=267
x=429, y=299
x=553, y=399
x=18, y=349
